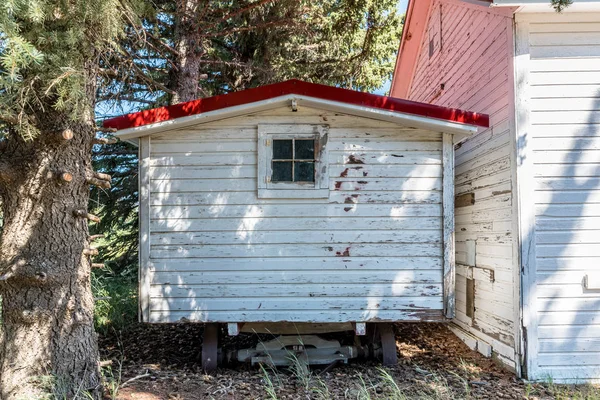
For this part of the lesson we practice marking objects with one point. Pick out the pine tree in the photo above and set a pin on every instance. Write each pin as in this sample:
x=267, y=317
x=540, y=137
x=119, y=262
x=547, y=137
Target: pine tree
x=193, y=48
x=50, y=52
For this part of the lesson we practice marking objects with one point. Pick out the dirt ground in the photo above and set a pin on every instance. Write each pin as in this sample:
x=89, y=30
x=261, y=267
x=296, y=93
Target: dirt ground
x=152, y=362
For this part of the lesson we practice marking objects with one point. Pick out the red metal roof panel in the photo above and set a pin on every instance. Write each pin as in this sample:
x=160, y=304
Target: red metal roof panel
x=300, y=88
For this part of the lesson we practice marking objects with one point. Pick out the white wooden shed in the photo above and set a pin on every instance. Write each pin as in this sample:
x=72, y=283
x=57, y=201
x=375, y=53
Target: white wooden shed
x=297, y=202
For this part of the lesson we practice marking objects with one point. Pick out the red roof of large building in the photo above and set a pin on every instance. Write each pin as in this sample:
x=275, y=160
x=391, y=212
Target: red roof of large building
x=300, y=88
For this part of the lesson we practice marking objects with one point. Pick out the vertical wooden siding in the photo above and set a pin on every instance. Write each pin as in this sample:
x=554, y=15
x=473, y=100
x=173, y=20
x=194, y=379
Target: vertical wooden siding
x=371, y=251
x=564, y=76
x=470, y=70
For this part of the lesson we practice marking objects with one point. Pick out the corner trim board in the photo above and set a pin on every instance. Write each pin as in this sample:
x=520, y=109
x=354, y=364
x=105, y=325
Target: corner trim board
x=448, y=224
x=525, y=196
x=144, y=211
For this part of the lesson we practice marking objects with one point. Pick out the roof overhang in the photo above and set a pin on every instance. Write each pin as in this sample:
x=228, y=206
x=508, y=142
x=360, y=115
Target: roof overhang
x=536, y=6
x=403, y=112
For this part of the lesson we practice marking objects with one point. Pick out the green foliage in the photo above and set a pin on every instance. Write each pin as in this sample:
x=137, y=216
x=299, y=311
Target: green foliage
x=117, y=206
x=560, y=5
x=116, y=301
x=46, y=50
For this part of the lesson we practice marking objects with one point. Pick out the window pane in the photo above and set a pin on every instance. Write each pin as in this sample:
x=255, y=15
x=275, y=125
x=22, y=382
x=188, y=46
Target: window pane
x=305, y=149
x=282, y=171
x=304, y=172
x=282, y=149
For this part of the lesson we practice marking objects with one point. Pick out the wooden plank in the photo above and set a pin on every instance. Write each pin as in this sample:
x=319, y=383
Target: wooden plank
x=579, y=223
x=291, y=263
x=562, y=130
x=559, y=104
x=385, y=171
x=568, y=331
x=308, y=316
x=357, y=145
x=335, y=197
x=207, y=172
x=567, y=264
x=448, y=226
x=567, y=170
x=569, y=143
x=464, y=200
x=296, y=277
x=291, y=236
x=571, y=183
x=564, y=91
x=294, y=304
x=301, y=250
x=525, y=195
x=295, y=210
x=385, y=157
x=371, y=184
x=568, y=210
x=236, y=184
x=566, y=196
x=294, y=290
x=144, y=234
x=205, y=159
x=301, y=224
x=172, y=147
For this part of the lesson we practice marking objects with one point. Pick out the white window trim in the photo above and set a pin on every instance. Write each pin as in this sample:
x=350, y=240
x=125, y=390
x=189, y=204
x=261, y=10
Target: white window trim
x=285, y=190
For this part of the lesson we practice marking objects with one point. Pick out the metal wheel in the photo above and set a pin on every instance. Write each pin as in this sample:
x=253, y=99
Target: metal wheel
x=210, y=344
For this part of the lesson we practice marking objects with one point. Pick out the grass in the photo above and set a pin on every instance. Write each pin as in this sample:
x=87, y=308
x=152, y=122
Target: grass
x=116, y=301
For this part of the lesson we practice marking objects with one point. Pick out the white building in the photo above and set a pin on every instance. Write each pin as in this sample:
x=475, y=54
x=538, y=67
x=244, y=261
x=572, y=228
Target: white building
x=528, y=187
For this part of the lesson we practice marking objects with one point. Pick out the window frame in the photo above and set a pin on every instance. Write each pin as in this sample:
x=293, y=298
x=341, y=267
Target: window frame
x=290, y=190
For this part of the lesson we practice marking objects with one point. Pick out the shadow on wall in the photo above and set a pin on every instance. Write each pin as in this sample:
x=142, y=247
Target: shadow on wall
x=567, y=195
x=220, y=253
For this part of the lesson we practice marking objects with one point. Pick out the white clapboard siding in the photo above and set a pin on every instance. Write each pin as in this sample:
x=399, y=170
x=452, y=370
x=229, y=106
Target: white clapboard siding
x=564, y=75
x=474, y=71
x=370, y=251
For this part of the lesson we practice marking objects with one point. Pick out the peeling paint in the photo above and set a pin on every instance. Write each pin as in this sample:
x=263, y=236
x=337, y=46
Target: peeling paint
x=338, y=185
x=397, y=155
x=352, y=159
x=344, y=173
x=496, y=193
x=362, y=182
x=347, y=209
x=346, y=253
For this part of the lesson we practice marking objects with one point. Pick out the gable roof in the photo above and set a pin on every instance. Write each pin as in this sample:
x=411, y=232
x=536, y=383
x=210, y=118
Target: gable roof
x=270, y=96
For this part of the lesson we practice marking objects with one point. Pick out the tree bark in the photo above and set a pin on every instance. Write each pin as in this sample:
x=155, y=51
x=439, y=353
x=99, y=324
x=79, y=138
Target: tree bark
x=48, y=307
x=185, y=76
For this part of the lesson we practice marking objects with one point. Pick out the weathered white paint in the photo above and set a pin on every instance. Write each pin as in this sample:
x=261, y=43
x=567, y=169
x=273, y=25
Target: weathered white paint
x=144, y=215
x=563, y=155
x=472, y=71
x=372, y=250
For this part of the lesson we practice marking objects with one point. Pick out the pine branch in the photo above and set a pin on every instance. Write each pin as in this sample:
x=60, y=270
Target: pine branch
x=236, y=13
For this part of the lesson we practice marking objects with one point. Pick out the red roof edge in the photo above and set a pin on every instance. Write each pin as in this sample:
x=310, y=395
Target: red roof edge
x=300, y=88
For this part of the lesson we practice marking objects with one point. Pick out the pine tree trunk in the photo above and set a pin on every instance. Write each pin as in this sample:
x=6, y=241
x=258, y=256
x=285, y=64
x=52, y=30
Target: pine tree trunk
x=47, y=311
x=185, y=80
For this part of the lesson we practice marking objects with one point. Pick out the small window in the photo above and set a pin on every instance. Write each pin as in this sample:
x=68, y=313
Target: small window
x=292, y=161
